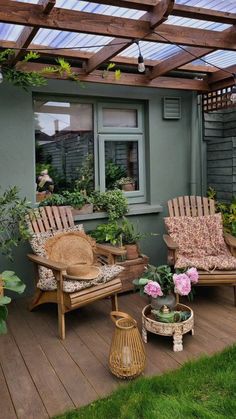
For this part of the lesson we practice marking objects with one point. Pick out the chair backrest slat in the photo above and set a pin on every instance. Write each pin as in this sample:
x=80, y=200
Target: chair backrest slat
x=191, y=206
x=48, y=218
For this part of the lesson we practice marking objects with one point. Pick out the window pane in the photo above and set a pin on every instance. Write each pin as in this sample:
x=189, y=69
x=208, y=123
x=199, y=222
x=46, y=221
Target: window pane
x=120, y=117
x=64, y=142
x=122, y=165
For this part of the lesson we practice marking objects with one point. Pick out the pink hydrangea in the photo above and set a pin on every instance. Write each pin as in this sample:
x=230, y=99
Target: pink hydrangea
x=153, y=289
x=193, y=275
x=182, y=284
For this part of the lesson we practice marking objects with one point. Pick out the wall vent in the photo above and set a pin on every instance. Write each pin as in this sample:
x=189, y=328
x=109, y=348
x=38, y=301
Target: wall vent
x=171, y=108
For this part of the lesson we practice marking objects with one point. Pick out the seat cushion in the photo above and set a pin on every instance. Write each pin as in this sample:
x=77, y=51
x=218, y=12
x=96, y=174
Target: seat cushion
x=108, y=272
x=200, y=242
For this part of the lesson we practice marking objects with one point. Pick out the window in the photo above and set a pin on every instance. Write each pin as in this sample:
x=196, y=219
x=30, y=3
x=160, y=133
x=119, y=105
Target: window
x=64, y=138
x=103, y=140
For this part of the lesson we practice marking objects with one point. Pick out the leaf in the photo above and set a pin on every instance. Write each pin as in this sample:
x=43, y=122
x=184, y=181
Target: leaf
x=110, y=66
x=3, y=312
x=3, y=327
x=143, y=281
x=16, y=287
x=117, y=74
x=31, y=55
x=4, y=300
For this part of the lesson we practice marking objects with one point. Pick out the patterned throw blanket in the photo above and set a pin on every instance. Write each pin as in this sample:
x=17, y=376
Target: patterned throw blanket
x=200, y=242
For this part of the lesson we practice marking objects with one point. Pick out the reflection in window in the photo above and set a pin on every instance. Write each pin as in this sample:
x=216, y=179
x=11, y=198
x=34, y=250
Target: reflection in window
x=64, y=141
x=121, y=118
x=122, y=165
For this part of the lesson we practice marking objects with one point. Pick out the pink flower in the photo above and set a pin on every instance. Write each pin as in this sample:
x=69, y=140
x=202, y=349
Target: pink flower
x=193, y=275
x=153, y=289
x=182, y=284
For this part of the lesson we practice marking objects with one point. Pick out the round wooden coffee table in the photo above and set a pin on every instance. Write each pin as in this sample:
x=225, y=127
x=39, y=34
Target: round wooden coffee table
x=177, y=330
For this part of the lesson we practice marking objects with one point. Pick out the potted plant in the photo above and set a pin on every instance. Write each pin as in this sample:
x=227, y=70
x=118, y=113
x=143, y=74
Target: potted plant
x=113, y=202
x=161, y=284
x=130, y=238
x=13, y=230
x=113, y=172
x=108, y=233
x=80, y=203
x=126, y=184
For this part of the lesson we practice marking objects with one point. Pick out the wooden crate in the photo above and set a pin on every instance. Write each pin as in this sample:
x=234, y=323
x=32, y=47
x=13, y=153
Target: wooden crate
x=133, y=269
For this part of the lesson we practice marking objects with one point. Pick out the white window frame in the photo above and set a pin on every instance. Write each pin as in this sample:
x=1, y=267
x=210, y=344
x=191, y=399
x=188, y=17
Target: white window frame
x=137, y=107
x=136, y=196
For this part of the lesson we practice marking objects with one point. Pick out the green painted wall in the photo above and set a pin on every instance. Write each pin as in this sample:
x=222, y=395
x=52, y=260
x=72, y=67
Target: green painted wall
x=168, y=153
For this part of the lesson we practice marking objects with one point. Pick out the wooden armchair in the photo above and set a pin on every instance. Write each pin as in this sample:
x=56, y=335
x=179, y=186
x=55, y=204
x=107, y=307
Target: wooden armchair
x=194, y=206
x=46, y=219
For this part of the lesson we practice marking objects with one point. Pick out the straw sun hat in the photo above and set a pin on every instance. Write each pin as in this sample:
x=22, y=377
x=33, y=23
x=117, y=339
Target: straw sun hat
x=82, y=272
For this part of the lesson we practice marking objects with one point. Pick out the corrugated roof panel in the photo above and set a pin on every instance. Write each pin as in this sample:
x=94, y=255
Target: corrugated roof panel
x=10, y=32
x=221, y=5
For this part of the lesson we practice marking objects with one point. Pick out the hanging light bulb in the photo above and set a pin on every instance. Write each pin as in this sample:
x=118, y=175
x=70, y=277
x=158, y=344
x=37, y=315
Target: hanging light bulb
x=233, y=91
x=1, y=75
x=141, y=65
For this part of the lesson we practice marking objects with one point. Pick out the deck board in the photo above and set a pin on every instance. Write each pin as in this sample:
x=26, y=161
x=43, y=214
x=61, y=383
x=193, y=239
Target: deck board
x=41, y=376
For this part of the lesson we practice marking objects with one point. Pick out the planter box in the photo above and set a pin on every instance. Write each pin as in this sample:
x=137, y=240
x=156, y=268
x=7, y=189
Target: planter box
x=133, y=270
x=86, y=209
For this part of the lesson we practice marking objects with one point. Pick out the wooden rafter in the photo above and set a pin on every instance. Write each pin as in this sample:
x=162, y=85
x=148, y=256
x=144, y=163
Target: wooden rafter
x=120, y=60
x=204, y=14
x=183, y=58
x=155, y=18
x=223, y=74
x=127, y=79
x=28, y=33
x=71, y=20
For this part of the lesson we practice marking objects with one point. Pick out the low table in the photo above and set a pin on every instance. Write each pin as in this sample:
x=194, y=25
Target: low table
x=177, y=330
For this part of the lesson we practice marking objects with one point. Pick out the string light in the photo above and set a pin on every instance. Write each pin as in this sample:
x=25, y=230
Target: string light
x=233, y=91
x=1, y=75
x=141, y=65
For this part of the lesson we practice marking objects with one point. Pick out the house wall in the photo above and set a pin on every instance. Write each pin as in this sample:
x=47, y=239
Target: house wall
x=168, y=154
x=220, y=137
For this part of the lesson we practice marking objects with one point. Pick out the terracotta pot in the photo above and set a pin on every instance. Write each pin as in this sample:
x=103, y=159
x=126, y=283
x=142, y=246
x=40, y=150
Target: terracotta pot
x=132, y=251
x=128, y=187
x=168, y=300
x=86, y=209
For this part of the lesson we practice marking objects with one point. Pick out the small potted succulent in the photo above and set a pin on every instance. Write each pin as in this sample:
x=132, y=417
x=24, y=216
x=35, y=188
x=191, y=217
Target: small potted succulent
x=126, y=184
x=130, y=238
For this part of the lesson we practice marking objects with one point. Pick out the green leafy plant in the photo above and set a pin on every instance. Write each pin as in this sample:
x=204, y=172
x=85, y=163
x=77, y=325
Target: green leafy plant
x=113, y=173
x=227, y=210
x=124, y=181
x=107, y=233
x=85, y=180
x=9, y=281
x=13, y=230
x=129, y=233
x=73, y=199
x=113, y=202
x=111, y=66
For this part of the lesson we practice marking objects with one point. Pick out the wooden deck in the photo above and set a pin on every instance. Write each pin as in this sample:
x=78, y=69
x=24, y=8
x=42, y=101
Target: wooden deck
x=41, y=376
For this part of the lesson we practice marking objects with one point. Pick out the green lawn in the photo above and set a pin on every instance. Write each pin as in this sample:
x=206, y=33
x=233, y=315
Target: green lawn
x=203, y=389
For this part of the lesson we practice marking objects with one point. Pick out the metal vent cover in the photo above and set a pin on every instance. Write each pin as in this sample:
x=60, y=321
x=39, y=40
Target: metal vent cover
x=171, y=107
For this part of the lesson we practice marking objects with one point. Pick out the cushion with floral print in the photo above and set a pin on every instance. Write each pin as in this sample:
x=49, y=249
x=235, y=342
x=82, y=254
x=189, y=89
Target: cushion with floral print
x=200, y=242
x=108, y=272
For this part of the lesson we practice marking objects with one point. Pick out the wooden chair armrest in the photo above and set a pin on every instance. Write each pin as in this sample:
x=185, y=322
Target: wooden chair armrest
x=170, y=242
x=47, y=263
x=106, y=249
x=230, y=240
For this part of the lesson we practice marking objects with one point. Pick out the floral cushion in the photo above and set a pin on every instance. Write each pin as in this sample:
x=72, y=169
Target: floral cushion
x=200, y=242
x=47, y=281
x=108, y=272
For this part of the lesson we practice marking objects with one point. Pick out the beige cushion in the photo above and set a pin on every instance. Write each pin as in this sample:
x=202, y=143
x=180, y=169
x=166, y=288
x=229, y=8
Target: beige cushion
x=201, y=242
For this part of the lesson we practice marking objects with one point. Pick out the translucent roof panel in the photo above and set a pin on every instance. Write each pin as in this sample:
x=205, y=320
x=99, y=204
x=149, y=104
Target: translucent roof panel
x=220, y=5
x=10, y=32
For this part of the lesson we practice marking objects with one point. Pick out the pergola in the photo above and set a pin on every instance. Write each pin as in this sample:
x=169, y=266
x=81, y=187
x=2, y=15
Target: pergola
x=173, y=36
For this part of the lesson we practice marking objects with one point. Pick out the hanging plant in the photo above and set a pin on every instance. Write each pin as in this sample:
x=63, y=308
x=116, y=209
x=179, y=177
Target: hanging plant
x=29, y=79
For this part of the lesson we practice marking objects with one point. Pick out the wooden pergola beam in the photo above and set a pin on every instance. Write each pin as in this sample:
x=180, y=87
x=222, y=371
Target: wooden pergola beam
x=178, y=60
x=204, y=14
x=127, y=79
x=28, y=33
x=70, y=20
x=156, y=17
x=223, y=74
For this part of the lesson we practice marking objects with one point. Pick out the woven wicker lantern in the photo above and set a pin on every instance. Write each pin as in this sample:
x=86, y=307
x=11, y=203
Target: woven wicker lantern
x=127, y=355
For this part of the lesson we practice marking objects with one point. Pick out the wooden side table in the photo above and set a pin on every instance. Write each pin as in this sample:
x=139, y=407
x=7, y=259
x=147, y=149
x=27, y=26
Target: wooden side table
x=177, y=330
